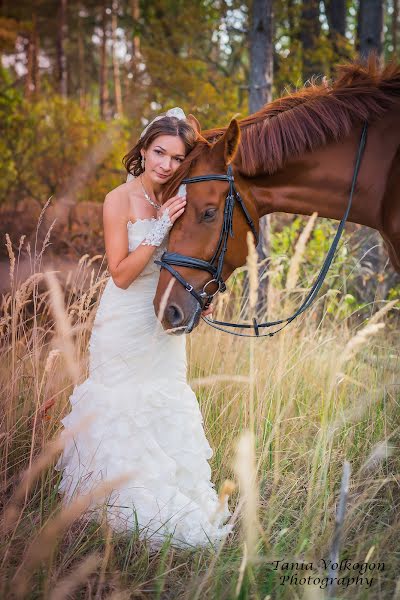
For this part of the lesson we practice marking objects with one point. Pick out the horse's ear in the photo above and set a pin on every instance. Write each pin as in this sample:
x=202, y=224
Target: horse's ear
x=231, y=141
x=194, y=123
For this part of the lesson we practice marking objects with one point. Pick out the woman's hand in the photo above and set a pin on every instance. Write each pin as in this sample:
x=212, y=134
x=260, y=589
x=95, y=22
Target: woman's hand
x=208, y=310
x=174, y=207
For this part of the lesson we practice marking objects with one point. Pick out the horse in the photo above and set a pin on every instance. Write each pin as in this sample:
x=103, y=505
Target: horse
x=295, y=155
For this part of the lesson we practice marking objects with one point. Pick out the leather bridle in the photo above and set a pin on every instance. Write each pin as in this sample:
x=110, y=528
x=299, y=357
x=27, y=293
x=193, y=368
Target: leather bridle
x=215, y=265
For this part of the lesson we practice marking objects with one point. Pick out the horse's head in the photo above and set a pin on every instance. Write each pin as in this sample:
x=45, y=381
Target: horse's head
x=197, y=235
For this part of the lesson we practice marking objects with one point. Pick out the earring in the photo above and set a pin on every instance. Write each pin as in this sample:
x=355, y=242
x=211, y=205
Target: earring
x=142, y=162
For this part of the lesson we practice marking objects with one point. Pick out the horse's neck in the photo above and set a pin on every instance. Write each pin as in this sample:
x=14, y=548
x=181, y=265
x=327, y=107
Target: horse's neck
x=320, y=181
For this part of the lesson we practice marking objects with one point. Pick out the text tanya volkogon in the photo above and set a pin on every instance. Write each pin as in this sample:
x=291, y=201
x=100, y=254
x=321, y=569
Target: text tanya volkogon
x=344, y=573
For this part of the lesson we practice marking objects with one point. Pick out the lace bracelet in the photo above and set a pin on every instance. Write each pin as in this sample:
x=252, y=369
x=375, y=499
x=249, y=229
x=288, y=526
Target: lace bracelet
x=159, y=230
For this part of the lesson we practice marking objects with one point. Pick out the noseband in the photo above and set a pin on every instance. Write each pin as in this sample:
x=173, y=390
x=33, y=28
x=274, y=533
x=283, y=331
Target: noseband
x=216, y=264
x=203, y=298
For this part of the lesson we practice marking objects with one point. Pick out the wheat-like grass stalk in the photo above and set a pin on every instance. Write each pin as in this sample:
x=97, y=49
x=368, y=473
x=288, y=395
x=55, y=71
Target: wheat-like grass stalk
x=104, y=563
x=245, y=470
x=67, y=586
x=11, y=256
x=382, y=312
x=48, y=537
x=295, y=263
x=34, y=470
x=379, y=453
x=63, y=325
x=359, y=340
x=251, y=261
x=40, y=219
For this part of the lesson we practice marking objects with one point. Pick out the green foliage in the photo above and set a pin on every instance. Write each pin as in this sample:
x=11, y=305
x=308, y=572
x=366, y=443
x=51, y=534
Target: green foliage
x=52, y=146
x=341, y=294
x=11, y=120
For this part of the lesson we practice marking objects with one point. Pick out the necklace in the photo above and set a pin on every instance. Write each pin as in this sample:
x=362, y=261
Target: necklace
x=157, y=206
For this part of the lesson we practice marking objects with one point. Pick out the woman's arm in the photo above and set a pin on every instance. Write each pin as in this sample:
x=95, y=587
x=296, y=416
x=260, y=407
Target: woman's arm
x=124, y=267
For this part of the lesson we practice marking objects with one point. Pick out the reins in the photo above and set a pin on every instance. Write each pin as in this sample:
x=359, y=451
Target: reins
x=204, y=299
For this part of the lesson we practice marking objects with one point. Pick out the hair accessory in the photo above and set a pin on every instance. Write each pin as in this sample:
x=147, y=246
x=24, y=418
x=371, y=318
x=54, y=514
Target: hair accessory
x=172, y=112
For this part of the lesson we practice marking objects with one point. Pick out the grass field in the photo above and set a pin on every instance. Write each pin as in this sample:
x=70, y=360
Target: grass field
x=283, y=416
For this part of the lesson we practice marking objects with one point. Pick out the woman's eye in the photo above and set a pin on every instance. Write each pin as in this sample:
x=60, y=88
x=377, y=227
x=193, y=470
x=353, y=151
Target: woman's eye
x=209, y=214
x=158, y=151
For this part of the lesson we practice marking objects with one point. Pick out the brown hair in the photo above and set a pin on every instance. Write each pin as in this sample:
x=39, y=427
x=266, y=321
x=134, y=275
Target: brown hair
x=164, y=126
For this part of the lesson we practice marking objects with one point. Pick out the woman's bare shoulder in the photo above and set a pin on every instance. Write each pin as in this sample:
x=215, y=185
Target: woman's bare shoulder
x=122, y=200
x=125, y=191
x=116, y=201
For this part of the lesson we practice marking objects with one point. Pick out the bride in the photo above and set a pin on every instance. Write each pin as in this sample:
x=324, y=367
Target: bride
x=147, y=420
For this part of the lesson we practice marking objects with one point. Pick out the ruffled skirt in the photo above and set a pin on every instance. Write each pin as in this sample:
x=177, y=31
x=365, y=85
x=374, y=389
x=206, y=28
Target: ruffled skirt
x=143, y=421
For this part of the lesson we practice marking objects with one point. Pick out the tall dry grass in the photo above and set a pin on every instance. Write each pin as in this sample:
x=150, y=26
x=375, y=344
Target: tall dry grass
x=283, y=414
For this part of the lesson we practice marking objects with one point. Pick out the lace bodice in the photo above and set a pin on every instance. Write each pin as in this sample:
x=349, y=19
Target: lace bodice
x=137, y=231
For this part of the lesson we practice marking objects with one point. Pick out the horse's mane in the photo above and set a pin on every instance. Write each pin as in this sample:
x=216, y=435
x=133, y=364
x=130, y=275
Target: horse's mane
x=316, y=114
x=308, y=118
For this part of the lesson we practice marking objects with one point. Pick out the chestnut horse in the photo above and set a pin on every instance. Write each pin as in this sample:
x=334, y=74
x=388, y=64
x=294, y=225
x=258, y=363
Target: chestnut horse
x=295, y=155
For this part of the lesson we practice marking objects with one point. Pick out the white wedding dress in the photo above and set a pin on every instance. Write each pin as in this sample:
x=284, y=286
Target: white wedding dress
x=146, y=421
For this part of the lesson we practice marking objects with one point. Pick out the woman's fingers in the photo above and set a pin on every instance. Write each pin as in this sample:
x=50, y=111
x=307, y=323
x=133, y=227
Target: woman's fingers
x=177, y=206
x=208, y=310
x=176, y=215
x=176, y=198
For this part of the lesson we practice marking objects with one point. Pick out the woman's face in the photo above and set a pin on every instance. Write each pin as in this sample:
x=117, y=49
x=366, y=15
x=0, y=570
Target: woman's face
x=163, y=157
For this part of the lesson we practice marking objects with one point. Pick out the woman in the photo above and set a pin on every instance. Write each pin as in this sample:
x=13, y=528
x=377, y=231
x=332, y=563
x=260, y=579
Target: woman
x=147, y=420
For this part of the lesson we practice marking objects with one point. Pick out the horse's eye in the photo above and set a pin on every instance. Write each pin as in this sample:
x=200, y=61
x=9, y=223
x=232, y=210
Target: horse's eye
x=209, y=214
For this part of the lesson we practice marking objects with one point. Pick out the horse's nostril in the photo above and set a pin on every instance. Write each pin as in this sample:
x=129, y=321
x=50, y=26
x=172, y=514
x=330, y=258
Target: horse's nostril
x=174, y=315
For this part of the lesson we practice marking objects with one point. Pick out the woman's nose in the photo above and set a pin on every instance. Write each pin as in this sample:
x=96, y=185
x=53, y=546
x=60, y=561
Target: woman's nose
x=166, y=164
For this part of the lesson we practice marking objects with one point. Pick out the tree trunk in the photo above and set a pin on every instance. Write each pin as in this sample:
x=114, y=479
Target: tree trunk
x=81, y=62
x=35, y=52
x=133, y=96
x=395, y=26
x=310, y=30
x=104, y=96
x=291, y=19
x=116, y=75
x=136, y=54
x=29, y=66
x=336, y=15
x=62, y=32
x=260, y=86
x=370, y=252
x=370, y=18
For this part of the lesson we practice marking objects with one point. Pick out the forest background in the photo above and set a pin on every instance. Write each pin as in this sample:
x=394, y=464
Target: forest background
x=79, y=79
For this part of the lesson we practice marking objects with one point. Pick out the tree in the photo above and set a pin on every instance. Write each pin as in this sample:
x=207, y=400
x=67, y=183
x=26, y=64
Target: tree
x=310, y=32
x=395, y=26
x=104, y=95
x=371, y=254
x=260, y=86
x=336, y=16
x=370, y=27
x=116, y=76
x=62, y=34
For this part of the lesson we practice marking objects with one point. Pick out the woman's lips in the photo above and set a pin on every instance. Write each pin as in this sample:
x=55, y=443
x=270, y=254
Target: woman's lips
x=163, y=176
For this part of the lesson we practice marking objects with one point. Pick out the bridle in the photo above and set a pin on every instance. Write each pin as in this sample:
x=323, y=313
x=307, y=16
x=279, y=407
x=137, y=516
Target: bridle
x=215, y=265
